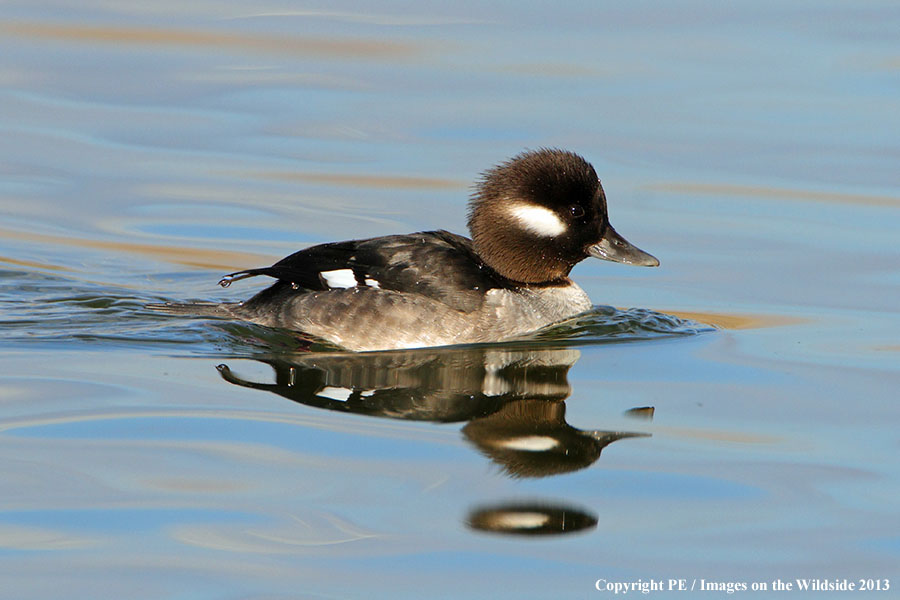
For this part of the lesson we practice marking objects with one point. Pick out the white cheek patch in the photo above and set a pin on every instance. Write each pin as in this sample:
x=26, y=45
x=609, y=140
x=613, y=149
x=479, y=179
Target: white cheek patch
x=341, y=278
x=523, y=520
x=531, y=443
x=538, y=219
x=372, y=282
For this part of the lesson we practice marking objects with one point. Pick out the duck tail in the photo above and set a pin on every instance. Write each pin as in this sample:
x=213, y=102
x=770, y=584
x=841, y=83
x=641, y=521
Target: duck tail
x=197, y=309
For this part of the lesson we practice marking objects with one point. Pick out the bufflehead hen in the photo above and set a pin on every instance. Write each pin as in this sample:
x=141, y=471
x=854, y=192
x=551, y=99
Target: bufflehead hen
x=532, y=219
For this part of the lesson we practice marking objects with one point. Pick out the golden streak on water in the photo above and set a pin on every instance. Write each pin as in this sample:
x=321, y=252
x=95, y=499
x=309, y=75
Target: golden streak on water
x=354, y=48
x=736, y=321
x=737, y=437
x=557, y=70
x=179, y=255
x=32, y=264
x=770, y=192
x=396, y=20
x=367, y=181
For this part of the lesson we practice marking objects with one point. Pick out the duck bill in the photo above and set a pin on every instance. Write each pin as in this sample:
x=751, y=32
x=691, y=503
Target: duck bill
x=614, y=247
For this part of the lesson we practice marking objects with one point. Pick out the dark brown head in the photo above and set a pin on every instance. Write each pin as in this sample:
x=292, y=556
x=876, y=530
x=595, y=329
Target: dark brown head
x=534, y=217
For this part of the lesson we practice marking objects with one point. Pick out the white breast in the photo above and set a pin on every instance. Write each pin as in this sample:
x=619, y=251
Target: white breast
x=510, y=313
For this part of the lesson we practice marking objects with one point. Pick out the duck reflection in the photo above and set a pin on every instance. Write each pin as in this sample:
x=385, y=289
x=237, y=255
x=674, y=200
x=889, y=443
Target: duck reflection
x=531, y=518
x=512, y=399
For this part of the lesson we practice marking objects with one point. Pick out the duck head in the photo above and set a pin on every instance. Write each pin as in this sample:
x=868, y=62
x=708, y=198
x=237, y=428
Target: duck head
x=537, y=215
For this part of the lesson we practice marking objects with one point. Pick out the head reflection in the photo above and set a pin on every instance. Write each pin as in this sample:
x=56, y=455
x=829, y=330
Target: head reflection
x=530, y=438
x=512, y=399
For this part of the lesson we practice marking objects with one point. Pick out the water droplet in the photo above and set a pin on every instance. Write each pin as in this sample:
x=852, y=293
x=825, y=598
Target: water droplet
x=226, y=281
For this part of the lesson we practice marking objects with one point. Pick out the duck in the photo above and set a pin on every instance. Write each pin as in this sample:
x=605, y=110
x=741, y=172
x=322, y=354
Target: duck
x=532, y=218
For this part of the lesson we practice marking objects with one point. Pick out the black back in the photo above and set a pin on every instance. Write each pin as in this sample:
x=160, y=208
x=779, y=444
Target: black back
x=437, y=264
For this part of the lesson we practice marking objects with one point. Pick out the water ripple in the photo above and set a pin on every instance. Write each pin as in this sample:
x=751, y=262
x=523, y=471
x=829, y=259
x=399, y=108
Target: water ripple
x=605, y=324
x=48, y=308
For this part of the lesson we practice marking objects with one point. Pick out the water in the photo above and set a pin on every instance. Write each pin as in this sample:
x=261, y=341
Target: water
x=148, y=149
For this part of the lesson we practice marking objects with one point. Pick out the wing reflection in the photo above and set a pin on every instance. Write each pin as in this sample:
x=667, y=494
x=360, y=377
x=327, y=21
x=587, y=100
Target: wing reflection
x=512, y=399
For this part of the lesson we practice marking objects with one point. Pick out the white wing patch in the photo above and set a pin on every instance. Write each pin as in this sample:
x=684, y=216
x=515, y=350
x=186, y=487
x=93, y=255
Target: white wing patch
x=341, y=394
x=341, y=278
x=345, y=278
x=538, y=219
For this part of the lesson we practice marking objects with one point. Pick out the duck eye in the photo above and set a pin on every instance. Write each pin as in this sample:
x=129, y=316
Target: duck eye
x=576, y=211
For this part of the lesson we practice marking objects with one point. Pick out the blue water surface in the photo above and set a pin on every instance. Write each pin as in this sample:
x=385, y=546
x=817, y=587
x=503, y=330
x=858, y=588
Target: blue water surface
x=148, y=149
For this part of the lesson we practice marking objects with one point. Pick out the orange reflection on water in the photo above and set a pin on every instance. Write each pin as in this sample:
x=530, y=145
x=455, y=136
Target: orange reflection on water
x=180, y=255
x=32, y=264
x=343, y=48
x=738, y=321
x=770, y=192
x=735, y=437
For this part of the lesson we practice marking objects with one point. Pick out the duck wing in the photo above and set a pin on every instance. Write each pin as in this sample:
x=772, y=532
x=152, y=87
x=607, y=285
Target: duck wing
x=436, y=264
